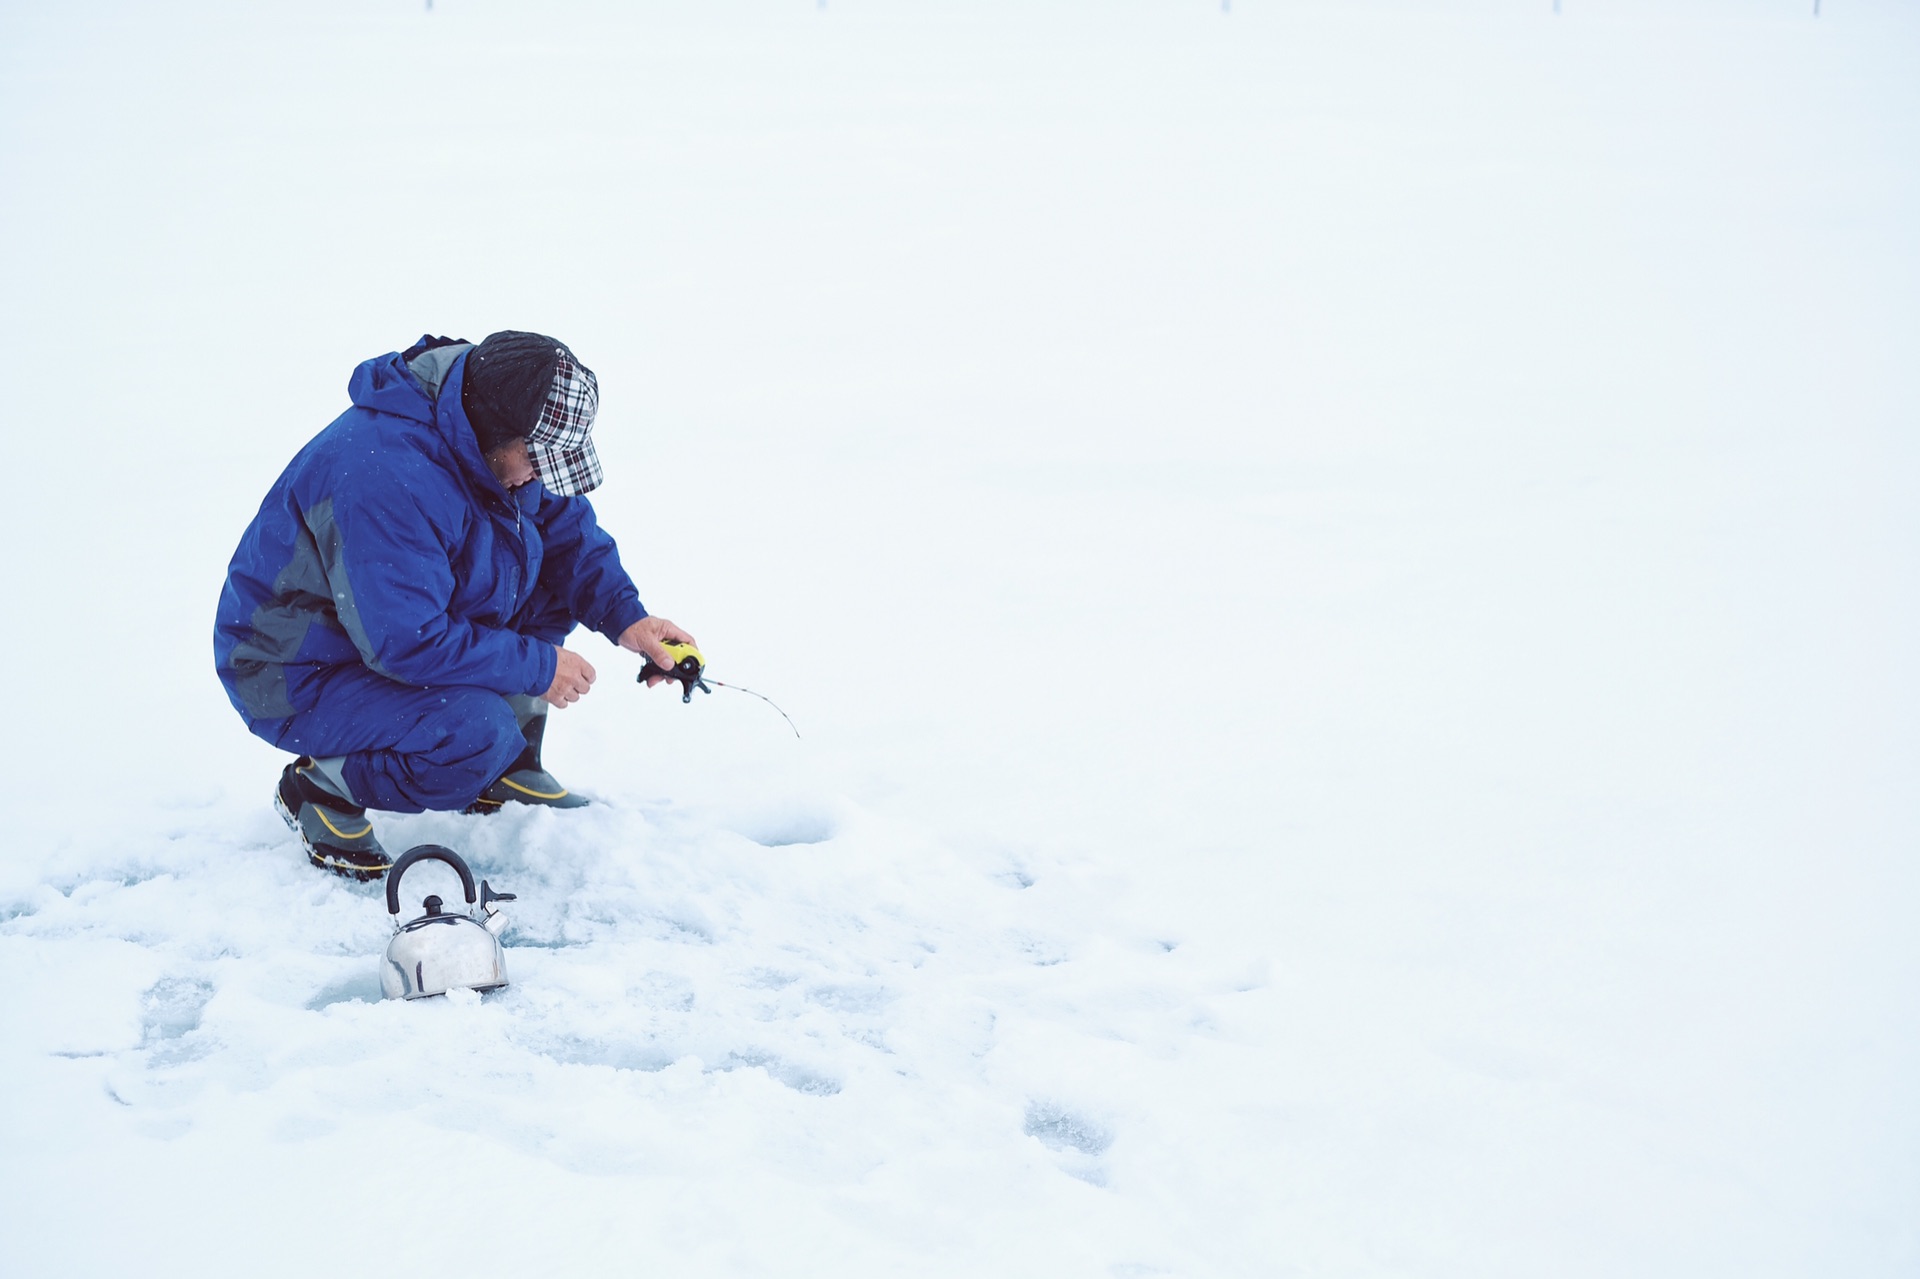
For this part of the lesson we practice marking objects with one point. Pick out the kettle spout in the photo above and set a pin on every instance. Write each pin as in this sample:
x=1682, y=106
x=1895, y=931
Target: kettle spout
x=495, y=922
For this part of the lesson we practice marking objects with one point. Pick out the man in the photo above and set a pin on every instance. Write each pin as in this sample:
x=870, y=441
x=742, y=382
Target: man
x=395, y=614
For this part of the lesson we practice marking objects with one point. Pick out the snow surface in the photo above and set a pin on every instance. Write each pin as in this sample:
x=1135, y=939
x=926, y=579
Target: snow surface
x=1347, y=571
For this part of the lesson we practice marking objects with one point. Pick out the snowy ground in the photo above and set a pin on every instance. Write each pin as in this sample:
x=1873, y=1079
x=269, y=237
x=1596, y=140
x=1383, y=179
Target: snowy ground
x=1346, y=569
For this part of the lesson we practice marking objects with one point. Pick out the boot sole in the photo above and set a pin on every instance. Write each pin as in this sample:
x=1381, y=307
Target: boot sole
x=345, y=869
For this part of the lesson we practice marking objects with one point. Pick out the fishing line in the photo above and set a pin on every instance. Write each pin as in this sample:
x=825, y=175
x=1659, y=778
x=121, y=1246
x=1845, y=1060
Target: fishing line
x=762, y=696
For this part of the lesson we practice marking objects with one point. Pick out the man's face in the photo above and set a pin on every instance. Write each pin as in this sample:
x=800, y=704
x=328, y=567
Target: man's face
x=511, y=465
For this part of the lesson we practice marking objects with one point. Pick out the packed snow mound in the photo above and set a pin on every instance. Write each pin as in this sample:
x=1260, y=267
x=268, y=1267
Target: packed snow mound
x=800, y=987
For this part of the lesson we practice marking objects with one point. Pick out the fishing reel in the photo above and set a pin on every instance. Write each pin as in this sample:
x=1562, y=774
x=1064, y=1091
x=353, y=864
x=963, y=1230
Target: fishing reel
x=689, y=670
x=688, y=667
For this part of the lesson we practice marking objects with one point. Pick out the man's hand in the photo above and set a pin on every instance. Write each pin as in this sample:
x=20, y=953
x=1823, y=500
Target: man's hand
x=572, y=679
x=644, y=637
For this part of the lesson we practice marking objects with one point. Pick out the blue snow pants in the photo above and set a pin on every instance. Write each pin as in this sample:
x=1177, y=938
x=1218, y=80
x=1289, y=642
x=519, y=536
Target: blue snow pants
x=414, y=747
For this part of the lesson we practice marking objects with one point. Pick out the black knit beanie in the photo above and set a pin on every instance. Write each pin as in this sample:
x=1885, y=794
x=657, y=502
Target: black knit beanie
x=508, y=377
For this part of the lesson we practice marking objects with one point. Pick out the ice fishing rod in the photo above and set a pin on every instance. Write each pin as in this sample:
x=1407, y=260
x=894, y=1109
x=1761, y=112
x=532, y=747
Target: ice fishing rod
x=689, y=670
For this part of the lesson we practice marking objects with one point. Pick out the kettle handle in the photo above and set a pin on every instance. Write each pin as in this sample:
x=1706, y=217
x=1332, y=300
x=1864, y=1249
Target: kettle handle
x=423, y=853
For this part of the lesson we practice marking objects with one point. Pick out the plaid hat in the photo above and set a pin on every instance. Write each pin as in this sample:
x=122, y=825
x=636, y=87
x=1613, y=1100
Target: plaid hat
x=561, y=442
x=529, y=386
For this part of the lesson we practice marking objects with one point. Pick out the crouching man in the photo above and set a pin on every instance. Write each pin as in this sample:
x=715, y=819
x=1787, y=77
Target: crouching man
x=396, y=613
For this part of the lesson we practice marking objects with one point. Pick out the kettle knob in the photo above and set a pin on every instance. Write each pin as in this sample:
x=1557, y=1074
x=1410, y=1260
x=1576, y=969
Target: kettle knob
x=431, y=905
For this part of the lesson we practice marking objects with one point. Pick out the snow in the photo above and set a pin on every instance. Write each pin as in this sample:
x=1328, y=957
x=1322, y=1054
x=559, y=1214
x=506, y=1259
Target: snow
x=1345, y=571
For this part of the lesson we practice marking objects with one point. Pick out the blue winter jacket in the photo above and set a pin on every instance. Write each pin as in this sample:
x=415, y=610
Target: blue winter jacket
x=388, y=543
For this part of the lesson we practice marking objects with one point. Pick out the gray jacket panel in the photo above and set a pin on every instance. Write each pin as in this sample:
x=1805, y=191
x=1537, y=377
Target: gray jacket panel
x=430, y=367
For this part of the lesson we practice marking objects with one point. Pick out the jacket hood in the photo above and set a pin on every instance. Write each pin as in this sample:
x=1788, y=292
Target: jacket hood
x=385, y=384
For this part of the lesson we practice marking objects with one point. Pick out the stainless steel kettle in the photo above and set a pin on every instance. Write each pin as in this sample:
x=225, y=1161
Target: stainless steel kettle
x=439, y=952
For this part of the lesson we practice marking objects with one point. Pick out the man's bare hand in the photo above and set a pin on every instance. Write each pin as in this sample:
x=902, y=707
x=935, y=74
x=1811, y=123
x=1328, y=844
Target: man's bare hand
x=644, y=637
x=572, y=679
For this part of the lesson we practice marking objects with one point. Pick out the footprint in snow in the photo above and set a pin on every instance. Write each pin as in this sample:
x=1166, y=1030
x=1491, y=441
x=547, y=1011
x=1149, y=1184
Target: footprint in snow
x=863, y=1000
x=1057, y=1128
x=647, y=1057
x=169, y=1012
x=798, y=1078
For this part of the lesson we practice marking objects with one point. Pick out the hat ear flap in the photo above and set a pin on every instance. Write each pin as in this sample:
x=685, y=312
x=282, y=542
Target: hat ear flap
x=490, y=427
x=507, y=380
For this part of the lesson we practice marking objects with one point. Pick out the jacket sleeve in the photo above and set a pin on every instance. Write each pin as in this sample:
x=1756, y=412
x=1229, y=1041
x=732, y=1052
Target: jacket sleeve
x=391, y=573
x=583, y=568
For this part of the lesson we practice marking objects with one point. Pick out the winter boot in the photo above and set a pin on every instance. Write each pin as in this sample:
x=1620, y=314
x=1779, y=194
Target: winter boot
x=336, y=831
x=525, y=781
